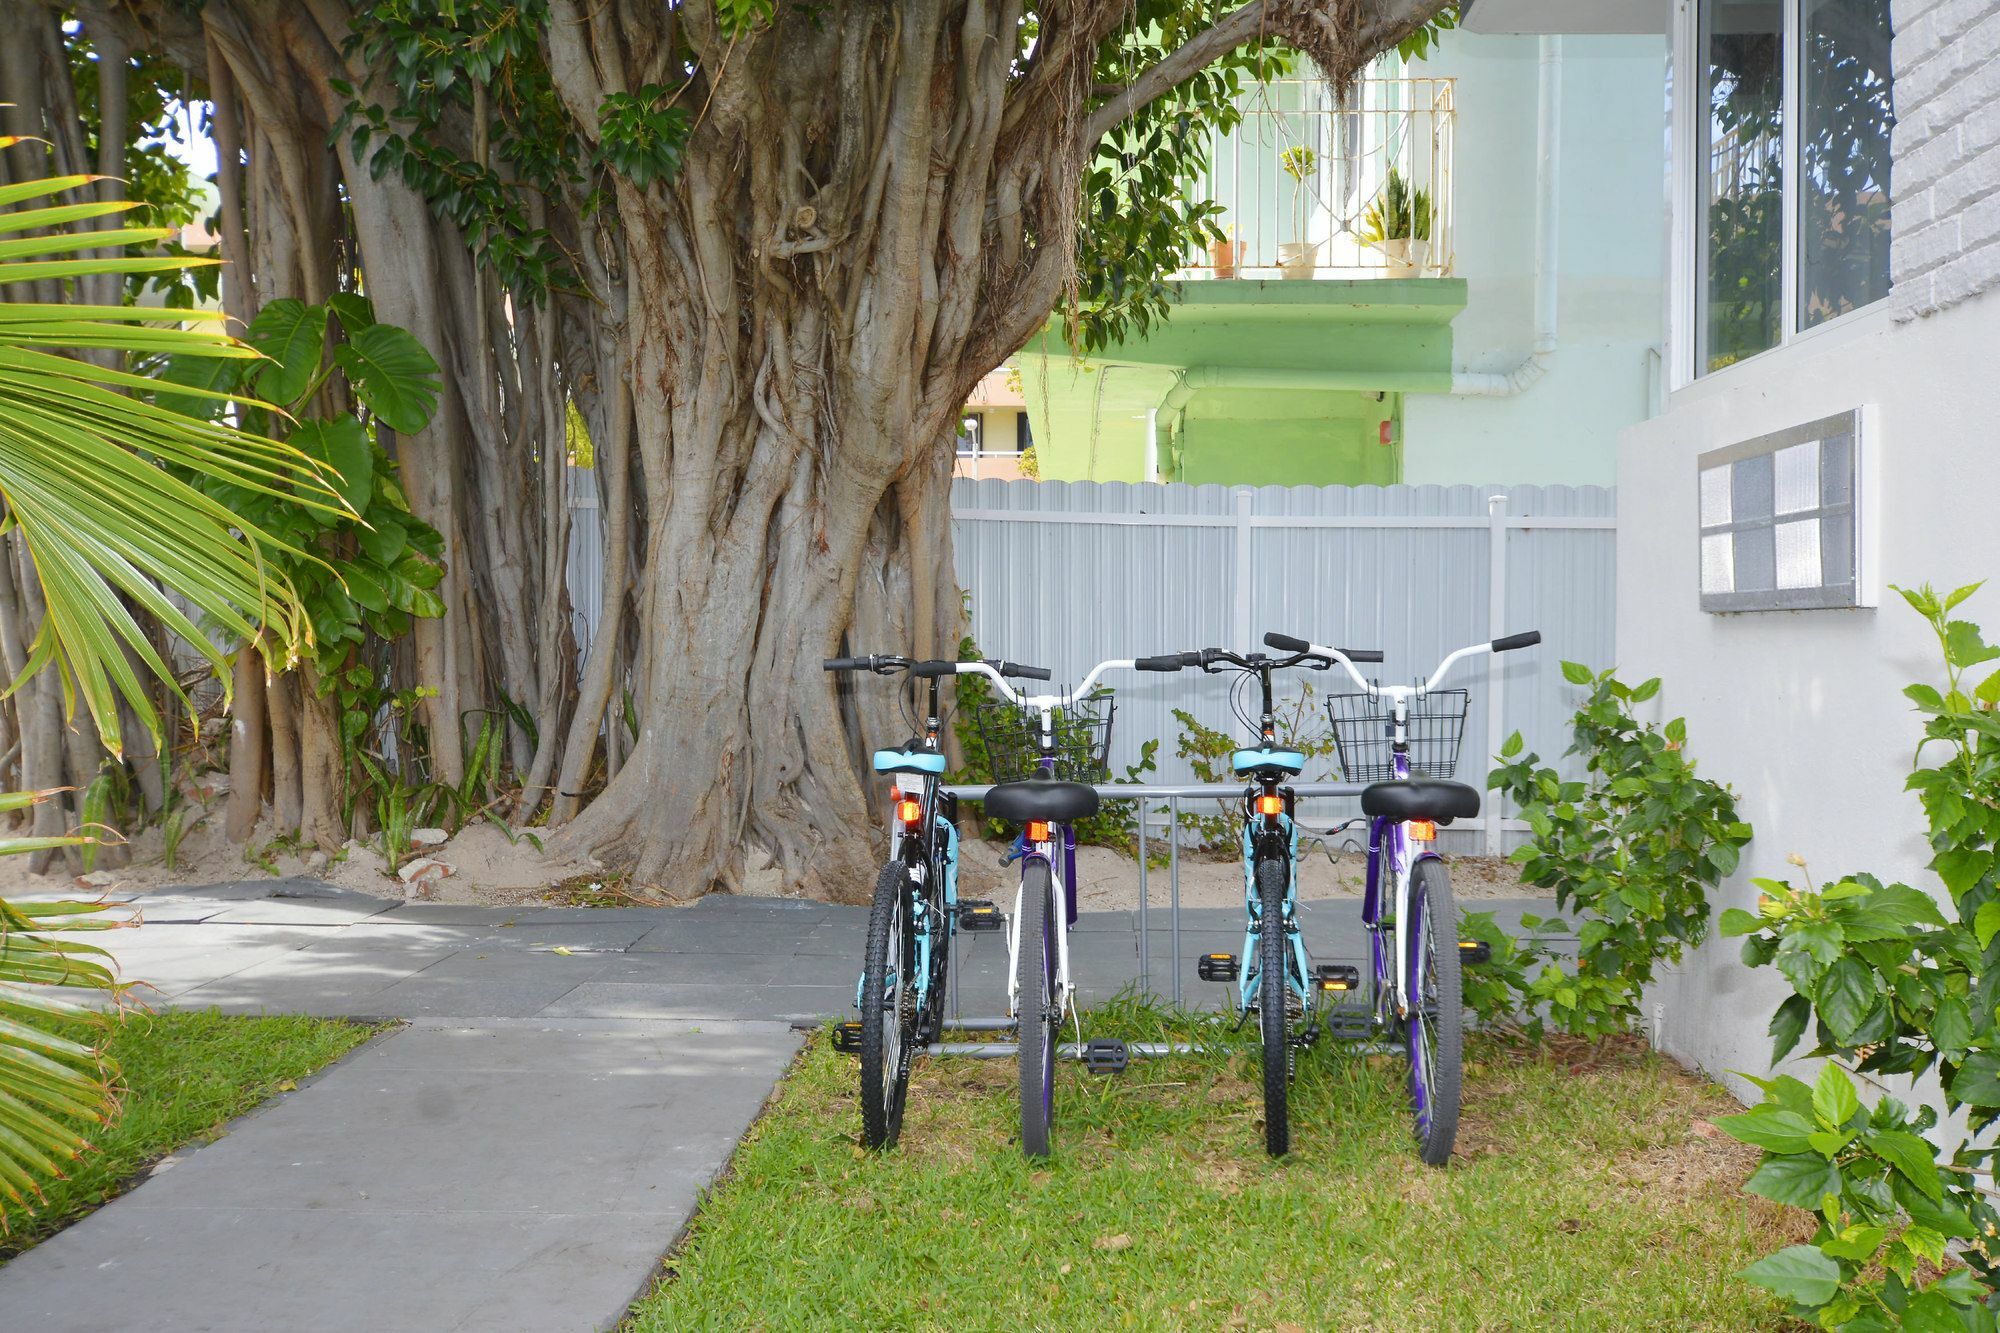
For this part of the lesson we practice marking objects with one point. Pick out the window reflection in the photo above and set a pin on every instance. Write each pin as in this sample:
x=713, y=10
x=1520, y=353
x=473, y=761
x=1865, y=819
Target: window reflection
x=1744, y=245
x=1844, y=126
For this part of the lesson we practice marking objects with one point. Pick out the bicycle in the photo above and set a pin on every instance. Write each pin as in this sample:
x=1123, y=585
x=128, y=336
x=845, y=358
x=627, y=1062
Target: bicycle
x=916, y=911
x=1276, y=978
x=1044, y=768
x=1407, y=752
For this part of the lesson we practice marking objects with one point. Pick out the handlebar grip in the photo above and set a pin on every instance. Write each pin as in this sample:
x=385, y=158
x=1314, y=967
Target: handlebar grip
x=928, y=670
x=1165, y=662
x=1194, y=659
x=1025, y=672
x=845, y=664
x=1285, y=643
x=1527, y=640
x=1362, y=654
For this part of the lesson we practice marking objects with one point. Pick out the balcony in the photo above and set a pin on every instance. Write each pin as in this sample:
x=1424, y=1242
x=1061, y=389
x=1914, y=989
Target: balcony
x=1314, y=189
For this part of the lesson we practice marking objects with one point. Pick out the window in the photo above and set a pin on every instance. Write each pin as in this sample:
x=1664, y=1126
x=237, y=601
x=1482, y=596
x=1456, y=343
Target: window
x=1743, y=245
x=1785, y=198
x=1024, y=435
x=1844, y=121
x=1780, y=527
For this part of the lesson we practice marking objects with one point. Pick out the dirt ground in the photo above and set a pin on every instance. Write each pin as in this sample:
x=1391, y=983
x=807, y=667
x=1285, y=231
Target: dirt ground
x=485, y=867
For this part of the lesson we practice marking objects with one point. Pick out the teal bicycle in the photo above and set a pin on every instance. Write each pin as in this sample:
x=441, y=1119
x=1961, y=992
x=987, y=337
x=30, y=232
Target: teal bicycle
x=916, y=911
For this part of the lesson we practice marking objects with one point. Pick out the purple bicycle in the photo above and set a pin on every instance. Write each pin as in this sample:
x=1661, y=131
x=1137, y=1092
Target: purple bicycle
x=1403, y=741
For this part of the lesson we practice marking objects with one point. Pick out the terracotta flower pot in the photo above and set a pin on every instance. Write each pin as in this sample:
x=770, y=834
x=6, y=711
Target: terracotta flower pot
x=1225, y=256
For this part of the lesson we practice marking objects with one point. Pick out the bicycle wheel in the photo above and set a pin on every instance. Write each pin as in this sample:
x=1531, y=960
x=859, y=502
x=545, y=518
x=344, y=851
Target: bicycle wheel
x=1271, y=1006
x=1437, y=1012
x=888, y=1010
x=1039, y=1012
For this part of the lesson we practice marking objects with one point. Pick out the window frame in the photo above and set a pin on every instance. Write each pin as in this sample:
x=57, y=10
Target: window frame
x=1856, y=424
x=1688, y=160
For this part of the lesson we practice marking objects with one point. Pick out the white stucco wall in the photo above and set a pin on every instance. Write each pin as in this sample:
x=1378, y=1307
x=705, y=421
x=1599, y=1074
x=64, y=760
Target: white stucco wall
x=1802, y=712
x=1611, y=258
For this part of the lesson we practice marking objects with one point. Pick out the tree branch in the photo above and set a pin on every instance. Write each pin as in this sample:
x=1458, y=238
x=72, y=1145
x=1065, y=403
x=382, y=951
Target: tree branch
x=1156, y=80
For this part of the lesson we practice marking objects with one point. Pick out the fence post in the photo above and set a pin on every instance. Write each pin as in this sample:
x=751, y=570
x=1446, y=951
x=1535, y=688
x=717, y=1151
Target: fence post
x=1496, y=625
x=1243, y=626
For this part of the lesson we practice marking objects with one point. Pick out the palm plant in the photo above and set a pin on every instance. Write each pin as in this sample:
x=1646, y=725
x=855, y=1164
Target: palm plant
x=84, y=481
x=50, y=1083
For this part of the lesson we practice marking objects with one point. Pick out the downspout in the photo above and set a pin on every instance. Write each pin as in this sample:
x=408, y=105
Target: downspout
x=1548, y=173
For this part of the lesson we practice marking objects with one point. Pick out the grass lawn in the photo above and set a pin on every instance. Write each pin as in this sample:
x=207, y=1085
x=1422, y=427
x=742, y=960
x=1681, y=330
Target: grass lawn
x=1589, y=1193
x=185, y=1075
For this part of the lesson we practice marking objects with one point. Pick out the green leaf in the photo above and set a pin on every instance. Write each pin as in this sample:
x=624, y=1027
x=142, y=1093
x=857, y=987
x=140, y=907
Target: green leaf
x=1769, y=1127
x=1800, y=1180
x=341, y=444
x=293, y=335
x=1735, y=921
x=1977, y=1082
x=1577, y=674
x=1846, y=993
x=1512, y=747
x=354, y=311
x=1798, y=1273
x=1951, y=1027
x=384, y=539
x=1910, y=1155
x=1962, y=867
x=1834, y=1098
x=1787, y=1026
x=214, y=374
x=393, y=374
x=1963, y=647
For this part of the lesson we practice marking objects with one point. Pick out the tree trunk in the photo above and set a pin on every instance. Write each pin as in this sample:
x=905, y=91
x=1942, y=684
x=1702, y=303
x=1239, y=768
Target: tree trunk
x=248, y=743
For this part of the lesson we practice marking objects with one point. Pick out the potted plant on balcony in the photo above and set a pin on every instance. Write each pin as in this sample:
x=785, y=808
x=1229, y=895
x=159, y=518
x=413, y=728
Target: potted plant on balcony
x=1297, y=258
x=1226, y=254
x=1398, y=224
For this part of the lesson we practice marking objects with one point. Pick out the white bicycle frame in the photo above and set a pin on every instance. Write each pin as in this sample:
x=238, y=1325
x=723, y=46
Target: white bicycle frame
x=1399, y=697
x=1045, y=705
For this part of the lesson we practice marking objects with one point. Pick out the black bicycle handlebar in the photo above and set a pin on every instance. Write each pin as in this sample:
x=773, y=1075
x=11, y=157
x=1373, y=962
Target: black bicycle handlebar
x=1286, y=643
x=1513, y=641
x=885, y=663
x=1164, y=662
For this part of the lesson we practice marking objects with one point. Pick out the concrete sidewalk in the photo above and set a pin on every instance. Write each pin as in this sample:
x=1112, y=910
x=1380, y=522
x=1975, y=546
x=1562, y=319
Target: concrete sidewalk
x=521, y=1155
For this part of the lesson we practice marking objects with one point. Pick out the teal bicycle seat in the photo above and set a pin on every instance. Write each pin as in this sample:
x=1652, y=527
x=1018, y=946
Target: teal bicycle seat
x=908, y=761
x=1256, y=761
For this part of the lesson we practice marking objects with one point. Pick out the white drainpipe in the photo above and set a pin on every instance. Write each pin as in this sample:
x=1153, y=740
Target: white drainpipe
x=1548, y=170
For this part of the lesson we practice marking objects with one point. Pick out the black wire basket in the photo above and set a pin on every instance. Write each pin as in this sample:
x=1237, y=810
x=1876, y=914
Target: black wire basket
x=1081, y=738
x=1364, y=733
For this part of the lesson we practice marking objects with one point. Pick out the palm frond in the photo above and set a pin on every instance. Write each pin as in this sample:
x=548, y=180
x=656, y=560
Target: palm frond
x=81, y=476
x=53, y=1087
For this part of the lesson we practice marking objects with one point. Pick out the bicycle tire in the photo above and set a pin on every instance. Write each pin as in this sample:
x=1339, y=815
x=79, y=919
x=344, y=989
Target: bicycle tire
x=1271, y=1006
x=1436, y=1027
x=1038, y=1014
x=887, y=1031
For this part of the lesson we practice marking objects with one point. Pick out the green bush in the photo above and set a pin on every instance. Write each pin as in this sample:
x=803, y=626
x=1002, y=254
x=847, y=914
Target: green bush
x=1631, y=852
x=1299, y=727
x=1891, y=982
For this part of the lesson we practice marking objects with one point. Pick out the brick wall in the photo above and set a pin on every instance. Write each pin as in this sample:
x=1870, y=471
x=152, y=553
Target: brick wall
x=1946, y=245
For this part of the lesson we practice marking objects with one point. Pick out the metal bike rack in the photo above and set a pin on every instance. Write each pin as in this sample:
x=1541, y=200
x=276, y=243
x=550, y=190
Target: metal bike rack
x=1173, y=795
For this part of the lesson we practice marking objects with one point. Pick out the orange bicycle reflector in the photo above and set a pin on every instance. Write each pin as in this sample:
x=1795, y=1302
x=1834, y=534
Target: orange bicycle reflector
x=1423, y=830
x=1038, y=830
x=909, y=811
x=1270, y=805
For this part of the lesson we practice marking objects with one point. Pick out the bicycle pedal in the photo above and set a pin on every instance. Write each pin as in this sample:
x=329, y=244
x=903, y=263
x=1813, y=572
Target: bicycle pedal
x=1337, y=978
x=847, y=1037
x=975, y=914
x=1105, y=1055
x=1474, y=951
x=1349, y=1024
x=1217, y=967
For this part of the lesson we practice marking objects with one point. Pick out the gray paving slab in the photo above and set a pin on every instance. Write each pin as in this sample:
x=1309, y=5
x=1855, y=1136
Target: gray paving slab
x=445, y=914
x=453, y=1175
x=453, y=997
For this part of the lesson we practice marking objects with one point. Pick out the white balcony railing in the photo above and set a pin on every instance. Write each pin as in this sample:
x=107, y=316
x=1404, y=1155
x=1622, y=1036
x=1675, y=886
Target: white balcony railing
x=1311, y=188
